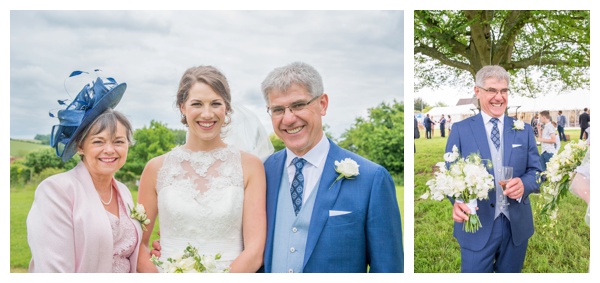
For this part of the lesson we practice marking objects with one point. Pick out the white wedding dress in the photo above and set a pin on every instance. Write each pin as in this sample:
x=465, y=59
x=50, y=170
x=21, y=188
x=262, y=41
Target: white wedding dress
x=200, y=202
x=580, y=186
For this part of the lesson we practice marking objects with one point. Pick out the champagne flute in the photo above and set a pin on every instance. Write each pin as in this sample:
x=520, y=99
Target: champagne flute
x=506, y=173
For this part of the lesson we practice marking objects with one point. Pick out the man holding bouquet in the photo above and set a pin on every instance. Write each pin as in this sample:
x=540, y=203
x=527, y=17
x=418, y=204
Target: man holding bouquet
x=500, y=244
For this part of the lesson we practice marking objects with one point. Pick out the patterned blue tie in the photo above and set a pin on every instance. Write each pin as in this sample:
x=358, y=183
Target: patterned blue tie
x=298, y=184
x=495, y=133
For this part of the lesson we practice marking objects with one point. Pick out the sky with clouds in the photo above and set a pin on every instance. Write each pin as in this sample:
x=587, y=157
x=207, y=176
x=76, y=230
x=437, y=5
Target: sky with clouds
x=359, y=55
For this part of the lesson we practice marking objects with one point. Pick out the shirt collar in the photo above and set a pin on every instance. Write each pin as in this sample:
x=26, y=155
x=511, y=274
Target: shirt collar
x=486, y=118
x=313, y=156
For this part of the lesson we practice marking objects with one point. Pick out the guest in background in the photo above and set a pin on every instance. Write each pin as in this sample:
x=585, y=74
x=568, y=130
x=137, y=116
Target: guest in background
x=417, y=134
x=561, y=123
x=584, y=123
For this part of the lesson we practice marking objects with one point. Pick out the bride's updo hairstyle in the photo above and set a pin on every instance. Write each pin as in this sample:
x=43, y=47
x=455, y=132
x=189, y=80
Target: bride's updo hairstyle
x=208, y=75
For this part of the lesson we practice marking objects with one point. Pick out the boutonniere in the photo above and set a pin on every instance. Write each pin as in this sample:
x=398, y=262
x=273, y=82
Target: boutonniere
x=347, y=168
x=139, y=213
x=518, y=125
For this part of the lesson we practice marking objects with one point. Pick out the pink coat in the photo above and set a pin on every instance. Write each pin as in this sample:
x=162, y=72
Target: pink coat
x=68, y=229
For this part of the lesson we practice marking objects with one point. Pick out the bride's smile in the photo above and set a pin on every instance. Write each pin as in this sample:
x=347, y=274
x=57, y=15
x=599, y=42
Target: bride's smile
x=207, y=110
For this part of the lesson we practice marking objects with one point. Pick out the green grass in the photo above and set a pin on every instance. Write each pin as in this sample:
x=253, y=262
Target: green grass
x=21, y=148
x=20, y=203
x=564, y=248
x=400, y=198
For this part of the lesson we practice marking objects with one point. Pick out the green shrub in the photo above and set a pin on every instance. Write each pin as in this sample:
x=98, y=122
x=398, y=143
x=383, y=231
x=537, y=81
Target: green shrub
x=47, y=173
x=19, y=174
x=41, y=159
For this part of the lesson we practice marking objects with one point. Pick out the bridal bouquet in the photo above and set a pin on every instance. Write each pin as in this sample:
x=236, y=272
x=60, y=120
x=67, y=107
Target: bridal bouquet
x=466, y=180
x=190, y=261
x=559, y=173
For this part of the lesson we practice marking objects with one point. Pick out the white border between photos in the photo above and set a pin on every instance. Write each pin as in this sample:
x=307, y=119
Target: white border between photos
x=409, y=275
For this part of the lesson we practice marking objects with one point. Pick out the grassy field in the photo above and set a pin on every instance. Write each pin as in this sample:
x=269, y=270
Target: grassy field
x=21, y=148
x=20, y=203
x=564, y=248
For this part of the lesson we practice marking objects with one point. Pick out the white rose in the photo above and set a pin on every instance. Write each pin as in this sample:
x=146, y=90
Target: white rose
x=209, y=263
x=140, y=208
x=518, y=125
x=187, y=264
x=347, y=167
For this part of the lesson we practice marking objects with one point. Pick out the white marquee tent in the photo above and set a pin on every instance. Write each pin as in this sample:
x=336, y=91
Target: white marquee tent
x=570, y=103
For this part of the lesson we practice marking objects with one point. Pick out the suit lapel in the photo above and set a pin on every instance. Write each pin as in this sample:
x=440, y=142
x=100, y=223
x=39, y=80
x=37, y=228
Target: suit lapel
x=509, y=137
x=274, y=183
x=478, y=127
x=325, y=199
x=274, y=175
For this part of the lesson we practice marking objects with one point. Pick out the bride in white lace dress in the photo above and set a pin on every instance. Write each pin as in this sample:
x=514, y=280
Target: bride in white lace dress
x=206, y=193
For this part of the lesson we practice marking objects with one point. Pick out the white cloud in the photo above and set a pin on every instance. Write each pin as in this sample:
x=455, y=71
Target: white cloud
x=358, y=53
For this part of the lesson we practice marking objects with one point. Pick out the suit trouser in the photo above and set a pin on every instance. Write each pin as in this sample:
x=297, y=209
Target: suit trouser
x=498, y=255
x=561, y=133
x=581, y=133
x=544, y=158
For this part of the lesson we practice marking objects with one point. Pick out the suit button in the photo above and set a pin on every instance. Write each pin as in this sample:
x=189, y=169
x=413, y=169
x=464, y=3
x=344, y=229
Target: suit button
x=290, y=270
x=294, y=229
x=492, y=205
x=292, y=249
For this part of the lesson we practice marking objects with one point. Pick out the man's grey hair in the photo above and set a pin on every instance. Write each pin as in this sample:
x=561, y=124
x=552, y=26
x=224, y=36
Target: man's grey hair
x=491, y=71
x=282, y=78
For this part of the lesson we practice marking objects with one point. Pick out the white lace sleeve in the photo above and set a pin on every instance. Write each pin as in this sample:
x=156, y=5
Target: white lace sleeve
x=247, y=133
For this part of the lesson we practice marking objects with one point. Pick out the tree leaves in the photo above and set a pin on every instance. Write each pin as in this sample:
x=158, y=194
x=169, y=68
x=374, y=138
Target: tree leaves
x=543, y=50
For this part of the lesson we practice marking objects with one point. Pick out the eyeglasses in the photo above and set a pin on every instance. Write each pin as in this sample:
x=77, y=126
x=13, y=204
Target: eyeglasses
x=278, y=111
x=493, y=91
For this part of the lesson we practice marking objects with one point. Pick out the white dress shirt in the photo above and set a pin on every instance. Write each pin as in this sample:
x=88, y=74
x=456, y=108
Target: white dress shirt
x=312, y=170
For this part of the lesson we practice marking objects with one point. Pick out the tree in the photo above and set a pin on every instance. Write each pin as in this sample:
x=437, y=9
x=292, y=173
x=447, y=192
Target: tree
x=542, y=50
x=379, y=137
x=180, y=136
x=328, y=133
x=277, y=142
x=41, y=159
x=420, y=104
x=150, y=142
x=44, y=139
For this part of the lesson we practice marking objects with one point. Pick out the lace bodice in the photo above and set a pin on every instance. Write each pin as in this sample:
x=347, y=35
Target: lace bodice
x=200, y=202
x=124, y=238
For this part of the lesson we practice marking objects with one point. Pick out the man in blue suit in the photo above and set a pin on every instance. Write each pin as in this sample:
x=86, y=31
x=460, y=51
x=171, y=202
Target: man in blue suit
x=316, y=222
x=427, y=122
x=501, y=244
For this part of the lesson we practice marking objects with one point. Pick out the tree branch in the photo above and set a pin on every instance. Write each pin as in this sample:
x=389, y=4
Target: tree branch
x=535, y=60
x=514, y=22
x=441, y=36
x=435, y=54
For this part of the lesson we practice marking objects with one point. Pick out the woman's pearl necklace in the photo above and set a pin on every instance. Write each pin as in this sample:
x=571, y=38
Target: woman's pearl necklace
x=111, y=196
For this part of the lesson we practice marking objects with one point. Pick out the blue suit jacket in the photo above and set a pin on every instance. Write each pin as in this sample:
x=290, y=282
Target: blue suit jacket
x=520, y=152
x=370, y=235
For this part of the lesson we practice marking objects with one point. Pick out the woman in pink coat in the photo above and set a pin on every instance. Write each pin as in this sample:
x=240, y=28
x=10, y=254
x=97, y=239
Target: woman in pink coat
x=80, y=220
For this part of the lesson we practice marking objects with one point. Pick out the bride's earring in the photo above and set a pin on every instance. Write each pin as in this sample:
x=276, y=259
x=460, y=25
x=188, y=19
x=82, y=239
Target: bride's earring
x=184, y=120
x=227, y=119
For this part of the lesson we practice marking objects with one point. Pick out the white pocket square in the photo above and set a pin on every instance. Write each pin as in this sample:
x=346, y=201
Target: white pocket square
x=338, y=212
x=516, y=145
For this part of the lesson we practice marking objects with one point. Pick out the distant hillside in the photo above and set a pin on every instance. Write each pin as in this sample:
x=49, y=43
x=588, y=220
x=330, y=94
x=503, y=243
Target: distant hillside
x=20, y=148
